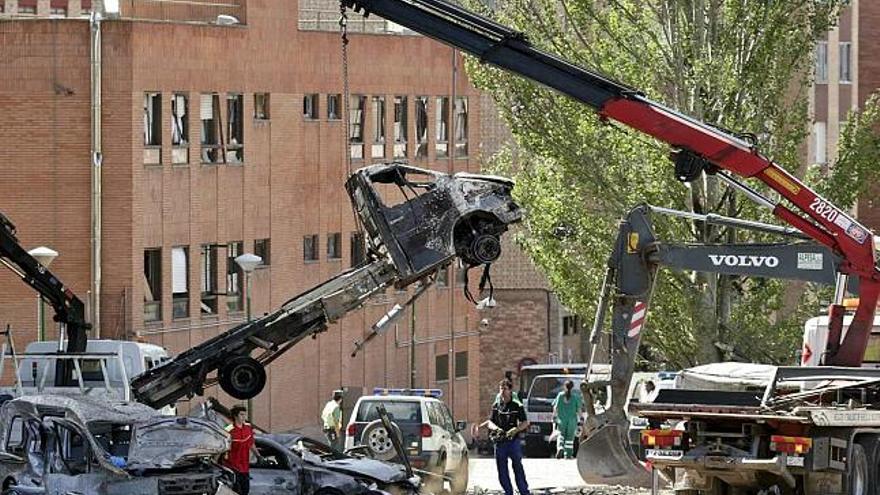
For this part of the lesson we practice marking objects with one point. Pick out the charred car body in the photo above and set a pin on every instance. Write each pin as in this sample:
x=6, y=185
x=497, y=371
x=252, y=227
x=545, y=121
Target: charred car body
x=56, y=444
x=294, y=464
x=439, y=217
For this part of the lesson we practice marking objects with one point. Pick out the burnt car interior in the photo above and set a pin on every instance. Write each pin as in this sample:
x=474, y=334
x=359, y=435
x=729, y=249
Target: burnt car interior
x=271, y=458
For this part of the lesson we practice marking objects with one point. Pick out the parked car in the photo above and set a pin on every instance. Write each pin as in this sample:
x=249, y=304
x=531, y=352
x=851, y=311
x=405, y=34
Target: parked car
x=295, y=464
x=431, y=439
x=57, y=444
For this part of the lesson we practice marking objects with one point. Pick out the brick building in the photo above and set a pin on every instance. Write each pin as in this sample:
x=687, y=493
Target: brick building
x=846, y=74
x=223, y=133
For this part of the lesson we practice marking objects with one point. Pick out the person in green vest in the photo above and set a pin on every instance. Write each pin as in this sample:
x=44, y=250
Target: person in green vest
x=566, y=409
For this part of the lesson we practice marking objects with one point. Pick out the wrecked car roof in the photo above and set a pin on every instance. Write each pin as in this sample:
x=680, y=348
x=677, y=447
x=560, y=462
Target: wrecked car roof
x=87, y=409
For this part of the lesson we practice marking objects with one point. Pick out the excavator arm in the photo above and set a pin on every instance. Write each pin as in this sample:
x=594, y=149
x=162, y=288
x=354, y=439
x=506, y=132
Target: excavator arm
x=630, y=277
x=698, y=147
x=69, y=309
x=443, y=217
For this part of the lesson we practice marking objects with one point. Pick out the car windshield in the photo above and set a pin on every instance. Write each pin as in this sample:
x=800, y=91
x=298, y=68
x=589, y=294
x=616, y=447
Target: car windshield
x=400, y=411
x=114, y=438
x=548, y=387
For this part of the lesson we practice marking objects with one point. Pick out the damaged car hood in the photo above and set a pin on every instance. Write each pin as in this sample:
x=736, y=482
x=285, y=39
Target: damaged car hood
x=167, y=442
x=367, y=468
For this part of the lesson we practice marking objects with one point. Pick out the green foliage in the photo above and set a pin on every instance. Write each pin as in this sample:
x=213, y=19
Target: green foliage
x=744, y=65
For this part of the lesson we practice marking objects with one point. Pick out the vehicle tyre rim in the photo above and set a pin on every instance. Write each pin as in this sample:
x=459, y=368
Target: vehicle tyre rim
x=380, y=441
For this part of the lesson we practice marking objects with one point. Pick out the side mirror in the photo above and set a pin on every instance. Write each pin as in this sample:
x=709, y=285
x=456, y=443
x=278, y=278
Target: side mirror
x=460, y=425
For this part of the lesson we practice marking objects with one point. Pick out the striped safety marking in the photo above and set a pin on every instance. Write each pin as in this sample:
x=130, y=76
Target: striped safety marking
x=638, y=319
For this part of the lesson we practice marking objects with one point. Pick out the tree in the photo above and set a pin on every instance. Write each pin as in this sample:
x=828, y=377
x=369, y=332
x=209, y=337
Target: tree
x=743, y=65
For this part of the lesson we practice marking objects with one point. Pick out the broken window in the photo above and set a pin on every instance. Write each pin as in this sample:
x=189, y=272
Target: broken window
x=400, y=126
x=209, y=279
x=74, y=452
x=261, y=106
x=310, y=106
x=358, y=248
x=310, y=247
x=441, y=146
x=152, y=128
x=334, y=107
x=15, y=437
x=153, y=284
x=209, y=110
x=356, y=126
x=421, y=126
x=234, y=277
x=179, y=128
x=235, y=129
x=180, y=282
x=378, y=127
x=263, y=249
x=441, y=367
x=461, y=364
x=334, y=246
x=461, y=126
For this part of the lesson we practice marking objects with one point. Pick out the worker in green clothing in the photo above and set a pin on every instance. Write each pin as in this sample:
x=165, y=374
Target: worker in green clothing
x=331, y=417
x=566, y=409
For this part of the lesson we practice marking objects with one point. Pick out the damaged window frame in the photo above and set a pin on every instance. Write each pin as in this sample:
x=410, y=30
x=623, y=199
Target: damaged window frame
x=210, y=129
x=311, y=248
x=209, y=278
x=235, y=128
x=311, y=106
x=334, y=106
x=356, y=121
x=377, y=109
x=262, y=106
x=152, y=128
x=460, y=126
x=441, y=127
x=179, y=128
x=152, y=284
x=422, y=127
x=401, y=126
x=234, y=278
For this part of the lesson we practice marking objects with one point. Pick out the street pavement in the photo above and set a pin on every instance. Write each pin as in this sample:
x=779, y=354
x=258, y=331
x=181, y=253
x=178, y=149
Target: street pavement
x=556, y=476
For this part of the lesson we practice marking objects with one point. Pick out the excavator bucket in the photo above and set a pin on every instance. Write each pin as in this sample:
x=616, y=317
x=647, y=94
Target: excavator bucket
x=605, y=458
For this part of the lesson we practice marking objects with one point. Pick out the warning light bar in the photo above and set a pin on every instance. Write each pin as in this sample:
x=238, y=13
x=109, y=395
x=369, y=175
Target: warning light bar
x=790, y=445
x=662, y=438
x=414, y=392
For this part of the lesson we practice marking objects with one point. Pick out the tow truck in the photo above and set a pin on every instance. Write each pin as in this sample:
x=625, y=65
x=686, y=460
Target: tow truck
x=698, y=148
x=438, y=217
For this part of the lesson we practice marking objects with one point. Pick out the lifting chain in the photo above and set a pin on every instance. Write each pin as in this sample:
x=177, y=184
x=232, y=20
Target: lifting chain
x=346, y=102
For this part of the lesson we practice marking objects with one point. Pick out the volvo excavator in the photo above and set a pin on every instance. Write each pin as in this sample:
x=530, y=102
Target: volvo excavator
x=698, y=148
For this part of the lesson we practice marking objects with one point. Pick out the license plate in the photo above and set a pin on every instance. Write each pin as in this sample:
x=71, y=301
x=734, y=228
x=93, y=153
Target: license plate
x=664, y=454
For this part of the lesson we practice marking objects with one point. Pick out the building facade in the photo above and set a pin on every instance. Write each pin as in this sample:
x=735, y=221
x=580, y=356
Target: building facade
x=223, y=132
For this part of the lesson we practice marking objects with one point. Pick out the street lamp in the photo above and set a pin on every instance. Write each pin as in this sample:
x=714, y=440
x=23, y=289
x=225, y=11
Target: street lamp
x=44, y=256
x=248, y=263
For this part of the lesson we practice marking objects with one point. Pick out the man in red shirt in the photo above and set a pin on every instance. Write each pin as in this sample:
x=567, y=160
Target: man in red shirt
x=239, y=455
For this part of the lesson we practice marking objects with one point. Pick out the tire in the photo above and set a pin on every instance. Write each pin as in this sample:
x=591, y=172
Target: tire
x=871, y=443
x=858, y=481
x=377, y=439
x=460, y=480
x=243, y=377
x=434, y=484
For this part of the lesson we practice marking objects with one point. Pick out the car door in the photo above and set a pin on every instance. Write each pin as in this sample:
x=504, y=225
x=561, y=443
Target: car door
x=71, y=465
x=455, y=444
x=276, y=473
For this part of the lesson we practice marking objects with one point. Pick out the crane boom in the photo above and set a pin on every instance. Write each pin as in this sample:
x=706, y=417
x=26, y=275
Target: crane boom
x=699, y=146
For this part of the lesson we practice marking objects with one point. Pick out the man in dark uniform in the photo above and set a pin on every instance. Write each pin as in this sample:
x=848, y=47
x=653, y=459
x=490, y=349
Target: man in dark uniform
x=507, y=422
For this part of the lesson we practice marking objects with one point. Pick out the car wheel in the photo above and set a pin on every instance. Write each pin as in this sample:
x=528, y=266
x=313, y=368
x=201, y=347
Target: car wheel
x=377, y=439
x=858, y=483
x=434, y=482
x=460, y=477
x=242, y=377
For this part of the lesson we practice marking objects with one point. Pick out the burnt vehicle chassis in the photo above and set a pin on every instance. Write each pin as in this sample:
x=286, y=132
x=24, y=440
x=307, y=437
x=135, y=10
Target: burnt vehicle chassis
x=66, y=444
x=442, y=216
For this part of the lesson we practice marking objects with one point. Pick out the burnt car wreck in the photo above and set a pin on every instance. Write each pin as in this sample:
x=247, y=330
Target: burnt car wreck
x=436, y=217
x=76, y=444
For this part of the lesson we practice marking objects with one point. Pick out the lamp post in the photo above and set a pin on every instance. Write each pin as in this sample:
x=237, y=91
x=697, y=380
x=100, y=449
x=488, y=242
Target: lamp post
x=44, y=256
x=248, y=262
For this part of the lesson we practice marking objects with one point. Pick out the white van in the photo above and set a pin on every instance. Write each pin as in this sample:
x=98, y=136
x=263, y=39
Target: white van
x=136, y=358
